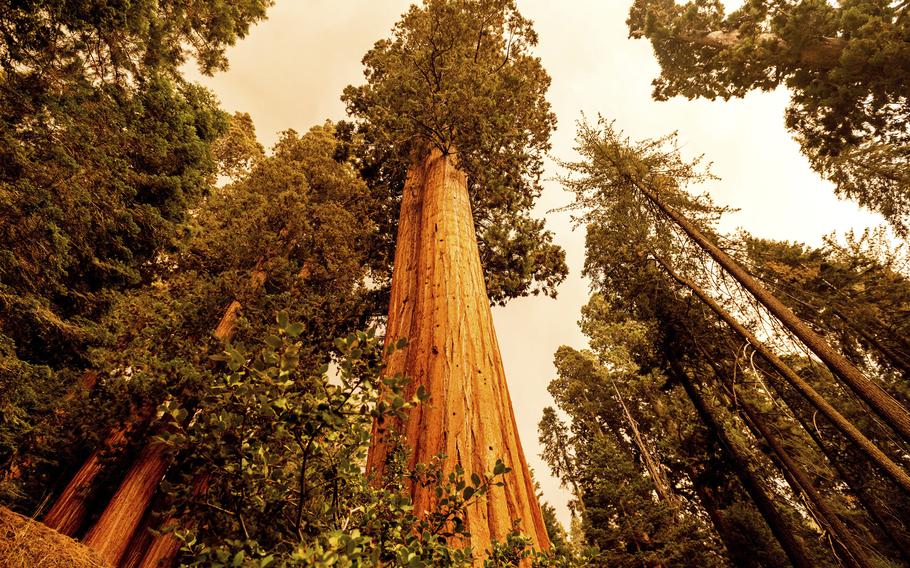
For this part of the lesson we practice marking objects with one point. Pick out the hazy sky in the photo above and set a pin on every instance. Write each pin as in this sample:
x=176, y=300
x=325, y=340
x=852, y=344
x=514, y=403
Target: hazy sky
x=290, y=71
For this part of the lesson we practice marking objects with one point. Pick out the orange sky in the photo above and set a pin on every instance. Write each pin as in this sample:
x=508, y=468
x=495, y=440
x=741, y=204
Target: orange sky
x=290, y=71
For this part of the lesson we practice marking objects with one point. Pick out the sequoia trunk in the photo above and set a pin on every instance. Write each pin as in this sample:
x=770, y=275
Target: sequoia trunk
x=69, y=511
x=111, y=535
x=440, y=305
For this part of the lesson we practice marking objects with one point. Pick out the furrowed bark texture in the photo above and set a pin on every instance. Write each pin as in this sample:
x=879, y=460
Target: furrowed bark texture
x=69, y=511
x=873, y=452
x=164, y=548
x=112, y=533
x=440, y=305
x=885, y=405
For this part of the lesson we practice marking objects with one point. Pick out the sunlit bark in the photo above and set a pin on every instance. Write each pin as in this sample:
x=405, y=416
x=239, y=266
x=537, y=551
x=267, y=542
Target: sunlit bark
x=440, y=305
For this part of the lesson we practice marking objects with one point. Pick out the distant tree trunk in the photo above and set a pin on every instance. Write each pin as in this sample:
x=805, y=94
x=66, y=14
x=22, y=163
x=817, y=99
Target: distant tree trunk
x=709, y=503
x=111, y=534
x=439, y=303
x=880, y=401
x=818, y=401
x=856, y=554
x=881, y=527
x=661, y=485
x=895, y=358
x=781, y=528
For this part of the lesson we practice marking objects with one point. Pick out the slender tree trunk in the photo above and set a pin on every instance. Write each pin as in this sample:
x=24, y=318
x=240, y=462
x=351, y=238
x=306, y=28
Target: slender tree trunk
x=796, y=484
x=706, y=497
x=896, y=359
x=818, y=401
x=856, y=554
x=880, y=401
x=439, y=303
x=877, y=517
x=781, y=529
x=661, y=485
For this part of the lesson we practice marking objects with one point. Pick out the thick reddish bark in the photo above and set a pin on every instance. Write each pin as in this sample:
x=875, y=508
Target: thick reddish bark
x=112, y=533
x=164, y=548
x=69, y=511
x=896, y=416
x=440, y=305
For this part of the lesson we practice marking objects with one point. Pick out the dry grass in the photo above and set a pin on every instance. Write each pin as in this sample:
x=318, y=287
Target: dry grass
x=29, y=544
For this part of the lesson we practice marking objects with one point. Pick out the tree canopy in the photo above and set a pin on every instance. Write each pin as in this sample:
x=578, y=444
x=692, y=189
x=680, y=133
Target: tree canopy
x=459, y=75
x=845, y=64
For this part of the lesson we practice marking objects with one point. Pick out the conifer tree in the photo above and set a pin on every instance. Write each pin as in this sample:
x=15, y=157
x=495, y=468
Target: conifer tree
x=458, y=99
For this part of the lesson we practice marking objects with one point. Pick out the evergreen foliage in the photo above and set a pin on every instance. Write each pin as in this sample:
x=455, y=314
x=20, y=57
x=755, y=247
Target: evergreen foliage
x=845, y=63
x=647, y=319
x=459, y=75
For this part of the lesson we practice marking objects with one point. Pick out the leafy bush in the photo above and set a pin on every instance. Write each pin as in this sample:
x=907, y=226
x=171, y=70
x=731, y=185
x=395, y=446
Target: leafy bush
x=273, y=459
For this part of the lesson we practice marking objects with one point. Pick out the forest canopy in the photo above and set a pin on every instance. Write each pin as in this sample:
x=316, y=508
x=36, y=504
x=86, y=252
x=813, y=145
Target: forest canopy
x=217, y=353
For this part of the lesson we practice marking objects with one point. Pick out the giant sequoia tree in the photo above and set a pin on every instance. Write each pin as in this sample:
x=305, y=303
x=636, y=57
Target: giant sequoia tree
x=456, y=96
x=846, y=64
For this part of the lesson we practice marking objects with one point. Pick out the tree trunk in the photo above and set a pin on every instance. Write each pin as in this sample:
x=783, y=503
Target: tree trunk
x=661, y=485
x=878, y=523
x=164, y=548
x=856, y=554
x=780, y=527
x=440, y=305
x=818, y=401
x=886, y=522
x=880, y=401
x=112, y=533
x=69, y=511
x=896, y=359
x=140, y=542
